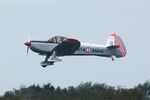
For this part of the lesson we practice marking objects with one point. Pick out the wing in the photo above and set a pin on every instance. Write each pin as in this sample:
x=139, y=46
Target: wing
x=67, y=47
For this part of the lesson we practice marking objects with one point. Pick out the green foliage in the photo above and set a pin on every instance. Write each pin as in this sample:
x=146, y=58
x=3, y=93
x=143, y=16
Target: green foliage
x=144, y=89
x=84, y=91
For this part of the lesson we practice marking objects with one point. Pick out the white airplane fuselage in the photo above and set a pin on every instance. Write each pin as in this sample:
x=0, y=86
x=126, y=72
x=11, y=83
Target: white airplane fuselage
x=93, y=49
x=84, y=50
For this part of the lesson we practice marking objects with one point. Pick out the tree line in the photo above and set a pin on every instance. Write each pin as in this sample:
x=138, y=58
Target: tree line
x=84, y=91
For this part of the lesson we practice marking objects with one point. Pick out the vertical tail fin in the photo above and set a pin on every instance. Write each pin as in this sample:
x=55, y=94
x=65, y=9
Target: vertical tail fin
x=111, y=41
x=115, y=42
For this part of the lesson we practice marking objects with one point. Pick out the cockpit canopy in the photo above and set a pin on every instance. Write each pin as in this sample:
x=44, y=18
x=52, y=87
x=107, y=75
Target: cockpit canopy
x=57, y=39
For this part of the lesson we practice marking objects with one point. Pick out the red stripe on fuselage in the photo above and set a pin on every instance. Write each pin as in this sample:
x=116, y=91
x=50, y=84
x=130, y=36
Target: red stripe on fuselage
x=71, y=39
x=120, y=48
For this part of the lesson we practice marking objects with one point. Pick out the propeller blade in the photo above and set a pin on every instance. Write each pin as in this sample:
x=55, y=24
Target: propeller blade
x=29, y=36
x=28, y=43
x=27, y=50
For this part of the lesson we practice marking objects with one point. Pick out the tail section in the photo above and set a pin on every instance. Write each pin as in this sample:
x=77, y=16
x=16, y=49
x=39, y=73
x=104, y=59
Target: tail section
x=111, y=42
x=115, y=43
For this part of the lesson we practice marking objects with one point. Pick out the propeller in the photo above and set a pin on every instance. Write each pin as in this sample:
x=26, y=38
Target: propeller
x=28, y=43
x=27, y=50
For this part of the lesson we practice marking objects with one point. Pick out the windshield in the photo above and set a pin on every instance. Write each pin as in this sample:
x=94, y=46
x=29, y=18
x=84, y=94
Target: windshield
x=57, y=39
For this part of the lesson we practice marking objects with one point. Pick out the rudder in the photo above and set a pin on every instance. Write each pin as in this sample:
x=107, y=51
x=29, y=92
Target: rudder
x=115, y=42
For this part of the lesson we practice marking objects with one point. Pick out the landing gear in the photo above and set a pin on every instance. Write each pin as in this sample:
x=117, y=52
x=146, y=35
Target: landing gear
x=52, y=59
x=112, y=58
x=47, y=63
x=43, y=66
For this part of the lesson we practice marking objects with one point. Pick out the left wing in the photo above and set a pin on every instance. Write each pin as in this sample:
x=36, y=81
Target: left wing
x=67, y=47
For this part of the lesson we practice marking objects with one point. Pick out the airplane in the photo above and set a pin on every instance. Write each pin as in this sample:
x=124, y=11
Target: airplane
x=59, y=46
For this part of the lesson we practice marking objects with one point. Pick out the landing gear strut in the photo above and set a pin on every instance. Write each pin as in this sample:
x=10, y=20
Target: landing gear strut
x=52, y=60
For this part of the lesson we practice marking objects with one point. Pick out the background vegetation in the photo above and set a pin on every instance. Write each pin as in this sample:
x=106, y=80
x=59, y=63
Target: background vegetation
x=84, y=91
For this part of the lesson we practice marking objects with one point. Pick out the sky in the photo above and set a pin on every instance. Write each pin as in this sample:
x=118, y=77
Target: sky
x=86, y=20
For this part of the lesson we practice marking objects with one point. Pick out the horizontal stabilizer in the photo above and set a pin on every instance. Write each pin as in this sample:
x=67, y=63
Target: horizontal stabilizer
x=113, y=47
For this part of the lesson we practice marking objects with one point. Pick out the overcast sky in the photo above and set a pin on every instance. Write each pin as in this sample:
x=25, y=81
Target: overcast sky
x=87, y=20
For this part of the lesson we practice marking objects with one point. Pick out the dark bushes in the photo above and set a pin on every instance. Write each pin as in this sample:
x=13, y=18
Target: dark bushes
x=85, y=91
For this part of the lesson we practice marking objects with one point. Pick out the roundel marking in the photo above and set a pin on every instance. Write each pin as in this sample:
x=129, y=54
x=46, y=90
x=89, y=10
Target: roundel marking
x=88, y=50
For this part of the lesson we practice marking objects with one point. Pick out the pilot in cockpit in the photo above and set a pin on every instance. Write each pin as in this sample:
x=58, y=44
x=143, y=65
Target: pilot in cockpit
x=57, y=39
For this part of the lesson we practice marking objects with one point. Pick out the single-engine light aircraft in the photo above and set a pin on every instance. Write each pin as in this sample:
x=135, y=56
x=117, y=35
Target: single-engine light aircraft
x=62, y=46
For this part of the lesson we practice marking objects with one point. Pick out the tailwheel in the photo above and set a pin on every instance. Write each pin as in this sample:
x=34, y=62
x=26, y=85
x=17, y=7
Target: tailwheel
x=112, y=58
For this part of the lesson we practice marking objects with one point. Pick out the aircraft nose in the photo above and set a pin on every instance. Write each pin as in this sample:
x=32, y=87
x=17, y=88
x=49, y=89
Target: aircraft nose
x=27, y=44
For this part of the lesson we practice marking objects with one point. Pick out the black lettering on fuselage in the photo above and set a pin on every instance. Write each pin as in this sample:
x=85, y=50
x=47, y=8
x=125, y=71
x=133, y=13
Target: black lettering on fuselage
x=98, y=50
x=92, y=50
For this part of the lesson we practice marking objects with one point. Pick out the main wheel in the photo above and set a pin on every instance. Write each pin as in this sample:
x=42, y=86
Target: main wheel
x=43, y=66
